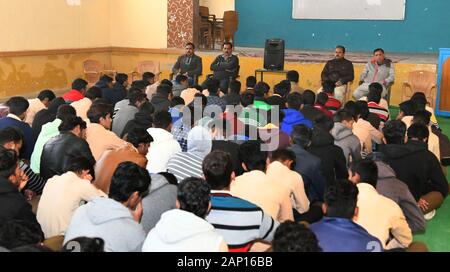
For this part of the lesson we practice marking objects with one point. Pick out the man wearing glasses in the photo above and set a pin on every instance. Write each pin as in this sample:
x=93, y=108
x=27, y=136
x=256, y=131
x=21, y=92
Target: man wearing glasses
x=189, y=65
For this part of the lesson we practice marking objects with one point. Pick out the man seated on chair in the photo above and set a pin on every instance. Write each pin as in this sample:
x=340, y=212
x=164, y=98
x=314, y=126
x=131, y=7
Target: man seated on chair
x=189, y=64
x=340, y=71
x=380, y=70
x=225, y=66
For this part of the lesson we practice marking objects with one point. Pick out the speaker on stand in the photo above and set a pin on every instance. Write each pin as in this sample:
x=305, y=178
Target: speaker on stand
x=274, y=54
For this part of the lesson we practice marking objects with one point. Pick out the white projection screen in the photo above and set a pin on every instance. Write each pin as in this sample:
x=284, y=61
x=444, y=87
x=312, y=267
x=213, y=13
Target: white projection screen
x=349, y=9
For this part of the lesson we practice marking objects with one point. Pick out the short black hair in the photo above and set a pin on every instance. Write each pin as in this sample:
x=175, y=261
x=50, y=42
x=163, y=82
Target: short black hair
x=49, y=94
x=294, y=237
x=17, y=105
x=375, y=91
x=394, y=132
x=283, y=88
x=97, y=111
x=341, y=199
x=127, y=179
x=94, y=92
x=71, y=122
x=217, y=169
x=252, y=156
x=121, y=78
x=422, y=117
x=227, y=43
x=79, y=84
x=323, y=122
x=328, y=86
x=139, y=84
x=378, y=49
x=321, y=98
x=162, y=119
x=138, y=136
x=16, y=233
x=367, y=170
x=293, y=76
x=301, y=135
x=342, y=115
x=194, y=196
x=247, y=98
x=106, y=79
x=134, y=97
x=284, y=155
x=148, y=75
x=212, y=85
x=350, y=106
x=10, y=134
x=250, y=82
x=64, y=111
x=261, y=89
x=167, y=82
x=294, y=101
x=78, y=165
x=418, y=131
x=180, y=78
x=8, y=162
x=309, y=97
x=235, y=86
x=341, y=47
x=84, y=244
x=177, y=100
x=164, y=90
x=191, y=44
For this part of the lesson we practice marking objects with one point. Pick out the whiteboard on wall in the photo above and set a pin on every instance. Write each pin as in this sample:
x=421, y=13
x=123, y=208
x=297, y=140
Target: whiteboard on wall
x=349, y=9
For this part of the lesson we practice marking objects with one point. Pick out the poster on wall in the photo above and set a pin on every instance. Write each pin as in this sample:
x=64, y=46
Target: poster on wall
x=349, y=9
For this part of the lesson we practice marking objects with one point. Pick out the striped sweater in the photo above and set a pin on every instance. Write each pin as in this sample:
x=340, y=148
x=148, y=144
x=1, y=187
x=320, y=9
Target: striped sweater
x=239, y=221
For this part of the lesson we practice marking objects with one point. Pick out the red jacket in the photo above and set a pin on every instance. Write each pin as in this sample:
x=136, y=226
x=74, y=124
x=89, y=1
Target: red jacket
x=73, y=96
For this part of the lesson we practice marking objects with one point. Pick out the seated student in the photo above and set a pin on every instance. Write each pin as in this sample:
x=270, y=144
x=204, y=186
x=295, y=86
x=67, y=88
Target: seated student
x=37, y=104
x=233, y=96
x=420, y=101
x=292, y=115
x=422, y=117
x=331, y=155
x=294, y=237
x=238, y=221
x=63, y=195
x=213, y=98
x=135, y=150
x=12, y=181
x=189, y=164
x=82, y=106
x=185, y=228
x=261, y=93
x=389, y=186
x=415, y=165
x=98, y=131
x=294, y=78
x=17, y=112
x=250, y=115
x=374, y=102
x=143, y=119
x=179, y=84
x=161, y=100
x=337, y=232
x=119, y=227
x=164, y=145
x=344, y=137
x=118, y=91
x=362, y=128
x=280, y=170
x=332, y=104
x=308, y=110
x=12, y=138
x=321, y=101
x=280, y=92
x=79, y=87
x=250, y=83
x=379, y=215
x=59, y=150
x=105, y=83
x=259, y=188
x=162, y=197
x=126, y=113
x=18, y=233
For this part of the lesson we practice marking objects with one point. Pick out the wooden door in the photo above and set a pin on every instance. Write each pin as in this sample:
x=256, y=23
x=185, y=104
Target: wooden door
x=444, y=101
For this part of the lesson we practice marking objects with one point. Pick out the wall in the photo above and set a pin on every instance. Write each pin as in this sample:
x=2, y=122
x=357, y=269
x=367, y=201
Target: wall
x=421, y=31
x=217, y=7
x=139, y=23
x=53, y=24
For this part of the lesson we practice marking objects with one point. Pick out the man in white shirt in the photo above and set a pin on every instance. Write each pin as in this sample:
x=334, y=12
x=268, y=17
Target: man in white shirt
x=379, y=215
x=36, y=104
x=82, y=106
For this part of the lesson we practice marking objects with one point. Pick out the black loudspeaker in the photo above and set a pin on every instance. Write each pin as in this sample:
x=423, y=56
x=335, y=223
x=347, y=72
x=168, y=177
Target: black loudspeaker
x=274, y=54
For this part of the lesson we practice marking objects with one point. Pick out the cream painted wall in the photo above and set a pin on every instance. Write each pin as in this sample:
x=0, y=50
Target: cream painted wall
x=53, y=24
x=139, y=23
x=217, y=7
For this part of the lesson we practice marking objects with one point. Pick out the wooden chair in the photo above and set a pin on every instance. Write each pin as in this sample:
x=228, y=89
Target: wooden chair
x=420, y=81
x=227, y=26
x=55, y=243
x=91, y=70
x=146, y=66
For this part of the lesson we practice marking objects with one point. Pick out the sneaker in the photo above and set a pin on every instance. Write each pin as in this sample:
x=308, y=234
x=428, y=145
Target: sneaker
x=430, y=215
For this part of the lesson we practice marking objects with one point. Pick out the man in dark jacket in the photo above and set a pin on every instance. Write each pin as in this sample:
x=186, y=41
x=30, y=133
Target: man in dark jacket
x=225, y=66
x=118, y=91
x=12, y=203
x=322, y=145
x=59, y=150
x=414, y=164
x=161, y=100
x=292, y=115
x=281, y=90
x=189, y=64
x=340, y=71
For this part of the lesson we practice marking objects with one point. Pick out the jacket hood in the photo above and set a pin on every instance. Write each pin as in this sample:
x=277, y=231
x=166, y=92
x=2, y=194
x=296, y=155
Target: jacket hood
x=55, y=103
x=384, y=170
x=321, y=138
x=396, y=151
x=292, y=117
x=7, y=187
x=159, y=98
x=101, y=210
x=340, y=131
x=158, y=182
x=177, y=225
x=101, y=84
x=199, y=140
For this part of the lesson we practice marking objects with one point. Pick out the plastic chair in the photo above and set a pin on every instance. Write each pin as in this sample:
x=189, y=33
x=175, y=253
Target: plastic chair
x=420, y=81
x=146, y=66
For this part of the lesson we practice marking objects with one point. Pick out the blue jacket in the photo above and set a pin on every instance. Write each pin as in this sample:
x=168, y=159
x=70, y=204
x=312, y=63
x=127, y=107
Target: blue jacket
x=28, y=134
x=291, y=118
x=344, y=235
